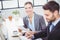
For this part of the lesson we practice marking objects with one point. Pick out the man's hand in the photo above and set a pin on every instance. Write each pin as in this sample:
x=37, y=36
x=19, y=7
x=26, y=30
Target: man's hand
x=29, y=34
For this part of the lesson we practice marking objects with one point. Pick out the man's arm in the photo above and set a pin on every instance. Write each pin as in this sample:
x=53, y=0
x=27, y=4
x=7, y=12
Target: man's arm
x=36, y=35
x=41, y=34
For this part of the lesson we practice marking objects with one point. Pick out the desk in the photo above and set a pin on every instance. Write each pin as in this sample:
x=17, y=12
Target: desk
x=20, y=38
x=24, y=38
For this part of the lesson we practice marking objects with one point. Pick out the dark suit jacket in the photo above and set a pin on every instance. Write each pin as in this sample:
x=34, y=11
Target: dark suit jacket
x=54, y=35
x=39, y=22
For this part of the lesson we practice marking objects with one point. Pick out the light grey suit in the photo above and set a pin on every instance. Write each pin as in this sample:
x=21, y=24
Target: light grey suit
x=39, y=22
x=1, y=35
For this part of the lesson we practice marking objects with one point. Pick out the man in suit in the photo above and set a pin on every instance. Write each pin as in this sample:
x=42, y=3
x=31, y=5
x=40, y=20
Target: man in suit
x=52, y=32
x=1, y=34
x=33, y=21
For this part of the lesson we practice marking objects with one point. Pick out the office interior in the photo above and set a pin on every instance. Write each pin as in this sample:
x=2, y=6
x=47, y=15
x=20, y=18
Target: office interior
x=7, y=7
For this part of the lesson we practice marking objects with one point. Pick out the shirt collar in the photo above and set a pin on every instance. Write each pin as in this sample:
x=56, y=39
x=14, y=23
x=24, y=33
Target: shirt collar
x=28, y=17
x=55, y=22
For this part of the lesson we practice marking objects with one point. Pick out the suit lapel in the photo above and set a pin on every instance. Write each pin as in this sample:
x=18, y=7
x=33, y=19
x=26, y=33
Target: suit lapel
x=27, y=22
x=35, y=21
x=56, y=27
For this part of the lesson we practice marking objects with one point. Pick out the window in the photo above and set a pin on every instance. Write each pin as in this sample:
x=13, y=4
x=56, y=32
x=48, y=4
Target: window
x=22, y=2
x=10, y=4
x=39, y=2
x=0, y=5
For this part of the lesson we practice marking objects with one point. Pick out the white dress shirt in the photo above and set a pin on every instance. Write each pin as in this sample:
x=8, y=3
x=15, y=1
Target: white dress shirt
x=10, y=26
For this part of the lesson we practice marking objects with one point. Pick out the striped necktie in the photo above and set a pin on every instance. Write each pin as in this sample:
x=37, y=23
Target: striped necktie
x=51, y=27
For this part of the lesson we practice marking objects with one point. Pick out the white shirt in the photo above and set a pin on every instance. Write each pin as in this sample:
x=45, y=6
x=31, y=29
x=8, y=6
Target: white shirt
x=10, y=26
x=54, y=24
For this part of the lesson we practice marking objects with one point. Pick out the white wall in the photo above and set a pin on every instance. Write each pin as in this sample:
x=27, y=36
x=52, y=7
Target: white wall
x=58, y=1
x=37, y=10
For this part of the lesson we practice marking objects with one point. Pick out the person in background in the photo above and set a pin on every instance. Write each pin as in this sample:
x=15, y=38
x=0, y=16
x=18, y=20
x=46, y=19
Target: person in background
x=52, y=32
x=33, y=21
x=11, y=26
x=1, y=34
x=8, y=27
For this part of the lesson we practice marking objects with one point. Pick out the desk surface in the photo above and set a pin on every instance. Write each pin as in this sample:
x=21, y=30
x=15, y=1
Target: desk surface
x=20, y=38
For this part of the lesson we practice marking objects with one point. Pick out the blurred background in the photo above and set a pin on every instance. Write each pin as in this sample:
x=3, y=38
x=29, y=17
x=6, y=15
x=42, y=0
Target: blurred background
x=16, y=8
x=7, y=7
